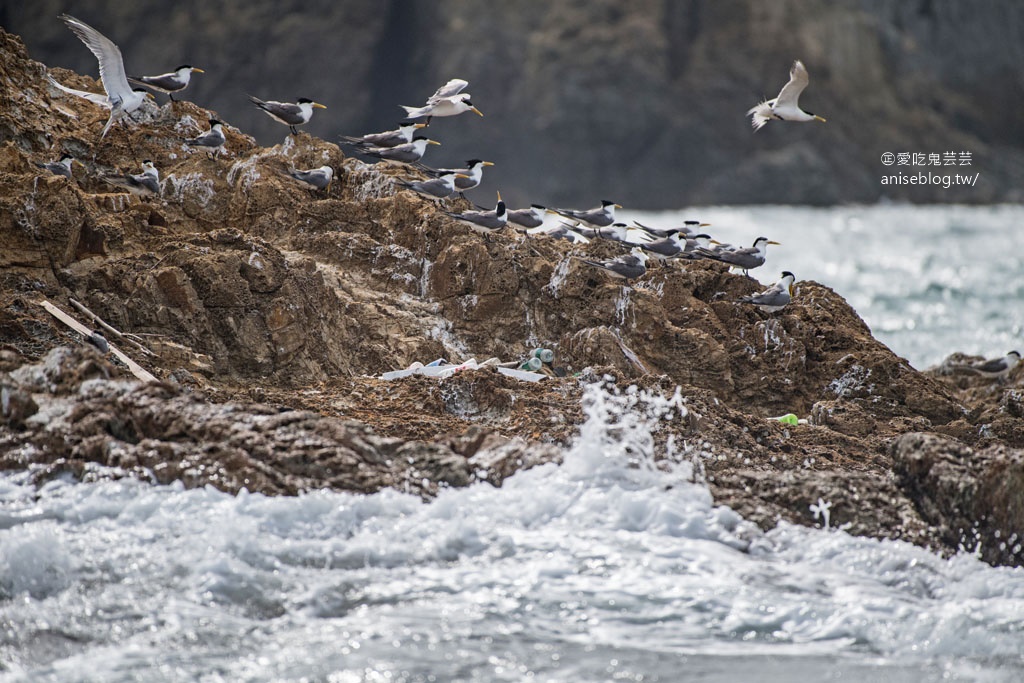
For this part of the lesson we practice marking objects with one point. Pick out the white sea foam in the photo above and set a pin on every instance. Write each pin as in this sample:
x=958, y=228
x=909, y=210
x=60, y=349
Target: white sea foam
x=610, y=566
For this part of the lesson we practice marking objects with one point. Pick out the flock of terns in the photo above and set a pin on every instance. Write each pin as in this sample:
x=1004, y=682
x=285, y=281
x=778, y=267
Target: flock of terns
x=404, y=145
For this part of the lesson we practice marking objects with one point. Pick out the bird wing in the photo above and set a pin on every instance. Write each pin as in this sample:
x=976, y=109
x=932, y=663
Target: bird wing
x=773, y=296
x=94, y=97
x=449, y=89
x=107, y=54
x=994, y=365
x=161, y=82
x=798, y=80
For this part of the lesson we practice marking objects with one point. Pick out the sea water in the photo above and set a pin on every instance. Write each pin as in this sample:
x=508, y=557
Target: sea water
x=929, y=280
x=607, y=567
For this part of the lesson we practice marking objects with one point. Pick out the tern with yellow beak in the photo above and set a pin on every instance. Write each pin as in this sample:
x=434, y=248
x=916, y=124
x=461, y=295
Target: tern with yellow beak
x=289, y=114
x=449, y=100
x=785, y=107
x=168, y=83
x=776, y=297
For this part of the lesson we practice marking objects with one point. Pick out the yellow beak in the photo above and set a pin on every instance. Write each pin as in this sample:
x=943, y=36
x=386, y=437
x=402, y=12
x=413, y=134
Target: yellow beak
x=433, y=142
x=198, y=71
x=488, y=163
x=819, y=118
x=419, y=125
x=319, y=106
x=474, y=109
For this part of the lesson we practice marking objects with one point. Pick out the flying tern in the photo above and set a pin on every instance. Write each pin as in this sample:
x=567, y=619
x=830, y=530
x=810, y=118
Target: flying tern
x=449, y=100
x=785, y=107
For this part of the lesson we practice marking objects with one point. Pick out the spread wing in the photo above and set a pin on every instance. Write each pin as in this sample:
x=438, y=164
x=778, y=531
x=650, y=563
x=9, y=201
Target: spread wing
x=452, y=87
x=107, y=54
x=798, y=80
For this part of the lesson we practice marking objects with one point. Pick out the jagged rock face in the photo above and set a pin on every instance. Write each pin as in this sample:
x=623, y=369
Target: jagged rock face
x=249, y=286
x=642, y=102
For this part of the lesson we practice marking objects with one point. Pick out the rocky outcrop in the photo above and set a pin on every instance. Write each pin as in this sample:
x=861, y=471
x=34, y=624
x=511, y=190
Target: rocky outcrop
x=641, y=102
x=269, y=310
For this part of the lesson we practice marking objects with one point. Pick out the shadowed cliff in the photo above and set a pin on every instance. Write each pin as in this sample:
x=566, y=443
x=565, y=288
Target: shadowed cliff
x=640, y=102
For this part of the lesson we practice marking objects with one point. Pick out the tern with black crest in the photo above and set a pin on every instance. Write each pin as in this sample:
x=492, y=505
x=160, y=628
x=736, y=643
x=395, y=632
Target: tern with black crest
x=145, y=184
x=776, y=297
x=448, y=100
x=785, y=106
x=168, y=83
x=389, y=138
x=287, y=113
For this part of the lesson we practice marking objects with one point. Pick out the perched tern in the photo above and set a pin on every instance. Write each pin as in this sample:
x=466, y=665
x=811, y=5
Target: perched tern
x=317, y=178
x=620, y=232
x=785, y=107
x=994, y=368
x=168, y=83
x=745, y=258
x=626, y=267
x=62, y=167
x=389, y=138
x=120, y=96
x=145, y=184
x=665, y=248
x=213, y=140
x=599, y=217
x=560, y=231
x=449, y=100
x=289, y=114
x=408, y=153
x=484, y=222
x=693, y=245
x=474, y=172
x=435, y=187
x=688, y=228
x=98, y=341
x=776, y=297
x=532, y=217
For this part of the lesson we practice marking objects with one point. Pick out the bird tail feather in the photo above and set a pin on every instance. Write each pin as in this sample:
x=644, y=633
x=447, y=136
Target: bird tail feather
x=760, y=114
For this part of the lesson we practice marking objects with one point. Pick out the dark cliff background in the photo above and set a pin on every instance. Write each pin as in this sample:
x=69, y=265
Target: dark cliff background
x=641, y=102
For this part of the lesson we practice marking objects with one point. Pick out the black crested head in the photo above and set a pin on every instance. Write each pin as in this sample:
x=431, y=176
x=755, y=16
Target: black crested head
x=305, y=100
x=605, y=202
x=538, y=206
x=215, y=122
x=500, y=209
x=786, y=273
x=473, y=162
x=183, y=66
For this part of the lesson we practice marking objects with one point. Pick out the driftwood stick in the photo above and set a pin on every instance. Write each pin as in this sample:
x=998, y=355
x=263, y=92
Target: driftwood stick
x=109, y=328
x=136, y=369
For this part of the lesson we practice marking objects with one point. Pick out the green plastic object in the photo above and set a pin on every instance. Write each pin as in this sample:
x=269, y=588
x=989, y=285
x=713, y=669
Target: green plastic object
x=789, y=419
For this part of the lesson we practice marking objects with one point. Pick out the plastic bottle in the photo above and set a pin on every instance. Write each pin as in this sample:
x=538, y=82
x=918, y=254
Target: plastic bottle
x=545, y=355
x=533, y=364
